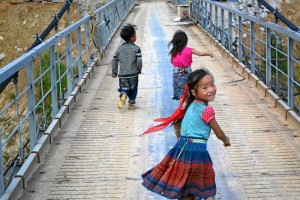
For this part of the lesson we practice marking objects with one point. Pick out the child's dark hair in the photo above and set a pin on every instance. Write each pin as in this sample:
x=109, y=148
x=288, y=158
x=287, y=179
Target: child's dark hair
x=128, y=31
x=178, y=42
x=192, y=81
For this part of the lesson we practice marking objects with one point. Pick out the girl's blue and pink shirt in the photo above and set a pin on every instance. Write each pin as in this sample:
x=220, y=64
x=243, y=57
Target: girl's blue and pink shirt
x=196, y=119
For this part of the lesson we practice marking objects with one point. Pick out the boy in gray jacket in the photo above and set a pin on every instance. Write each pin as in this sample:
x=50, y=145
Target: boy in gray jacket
x=129, y=58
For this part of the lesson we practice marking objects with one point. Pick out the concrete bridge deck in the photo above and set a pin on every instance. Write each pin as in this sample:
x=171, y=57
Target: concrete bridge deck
x=98, y=153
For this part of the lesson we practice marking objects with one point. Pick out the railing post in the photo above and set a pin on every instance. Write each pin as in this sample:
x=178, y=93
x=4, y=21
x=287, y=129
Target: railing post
x=240, y=43
x=222, y=28
x=87, y=41
x=210, y=19
x=229, y=31
x=206, y=20
x=79, y=49
x=216, y=23
x=1, y=166
x=252, y=46
x=31, y=105
x=201, y=12
x=53, y=82
x=290, y=73
x=268, y=58
x=69, y=65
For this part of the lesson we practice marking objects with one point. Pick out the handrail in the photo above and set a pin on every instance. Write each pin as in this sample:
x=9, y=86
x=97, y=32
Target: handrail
x=39, y=39
x=266, y=48
x=48, y=77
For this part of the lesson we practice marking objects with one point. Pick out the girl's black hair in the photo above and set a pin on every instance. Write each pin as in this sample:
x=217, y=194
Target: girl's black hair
x=128, y=31
x=192, y=81
x=178, y=42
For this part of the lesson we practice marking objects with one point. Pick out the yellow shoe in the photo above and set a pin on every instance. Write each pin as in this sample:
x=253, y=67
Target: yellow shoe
x=122, y=101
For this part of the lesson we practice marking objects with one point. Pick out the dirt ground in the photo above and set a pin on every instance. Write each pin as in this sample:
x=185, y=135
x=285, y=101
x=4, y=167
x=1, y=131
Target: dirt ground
x=20, y=22
x=289, y=11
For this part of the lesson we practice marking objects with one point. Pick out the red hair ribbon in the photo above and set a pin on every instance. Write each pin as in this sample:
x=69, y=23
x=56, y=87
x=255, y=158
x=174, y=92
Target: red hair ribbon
x=178, y=114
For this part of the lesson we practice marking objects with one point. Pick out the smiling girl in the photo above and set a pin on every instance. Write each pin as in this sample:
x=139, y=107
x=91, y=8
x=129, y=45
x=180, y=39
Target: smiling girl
x=186, y=172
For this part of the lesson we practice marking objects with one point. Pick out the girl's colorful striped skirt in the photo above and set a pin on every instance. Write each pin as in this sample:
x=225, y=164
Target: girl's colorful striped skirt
x=179, y=82
x=186, y=169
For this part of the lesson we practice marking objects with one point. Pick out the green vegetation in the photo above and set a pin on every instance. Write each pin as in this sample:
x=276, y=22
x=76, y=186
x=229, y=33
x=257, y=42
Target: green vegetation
x=44, y=85
x=279, y=54
x=12, y=96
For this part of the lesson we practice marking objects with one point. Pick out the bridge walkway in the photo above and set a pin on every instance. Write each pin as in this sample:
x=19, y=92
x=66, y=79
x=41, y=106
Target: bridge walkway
x=98, y=153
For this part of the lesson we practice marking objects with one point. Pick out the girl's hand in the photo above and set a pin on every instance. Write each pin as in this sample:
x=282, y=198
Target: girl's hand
x=210, y=54
x=227, y=142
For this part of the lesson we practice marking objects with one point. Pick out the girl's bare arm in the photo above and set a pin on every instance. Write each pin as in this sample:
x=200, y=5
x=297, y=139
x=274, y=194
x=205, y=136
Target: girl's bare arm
x=201, y=53
x=219, y=132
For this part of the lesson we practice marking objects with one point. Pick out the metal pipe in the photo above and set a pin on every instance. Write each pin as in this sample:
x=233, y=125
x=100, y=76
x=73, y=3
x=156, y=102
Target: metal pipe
x=279, y=16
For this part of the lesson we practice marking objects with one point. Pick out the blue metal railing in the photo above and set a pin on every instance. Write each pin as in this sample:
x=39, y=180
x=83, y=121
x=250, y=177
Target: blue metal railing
x=269, y=50
x=46, y=76
x=39, y=39
x=180, y=2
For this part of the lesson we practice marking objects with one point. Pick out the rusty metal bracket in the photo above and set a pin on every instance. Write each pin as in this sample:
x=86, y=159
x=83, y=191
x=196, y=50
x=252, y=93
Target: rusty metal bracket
x=266, y=91
x=22, y=178
x=38, y=155
x=276, y=100
x=286, y=112
x=50, y=140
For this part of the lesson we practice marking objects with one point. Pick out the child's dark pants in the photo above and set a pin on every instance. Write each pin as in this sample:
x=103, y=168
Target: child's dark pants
x=129, y=86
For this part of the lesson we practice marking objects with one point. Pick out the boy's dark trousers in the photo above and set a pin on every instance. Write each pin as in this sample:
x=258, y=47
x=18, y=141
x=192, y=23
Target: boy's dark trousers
x=129, y=86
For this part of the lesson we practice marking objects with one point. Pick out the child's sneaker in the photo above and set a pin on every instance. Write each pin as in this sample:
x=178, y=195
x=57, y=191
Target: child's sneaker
x=122, y=100
x=131, y=101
